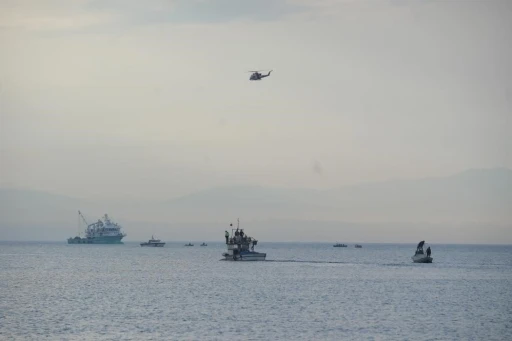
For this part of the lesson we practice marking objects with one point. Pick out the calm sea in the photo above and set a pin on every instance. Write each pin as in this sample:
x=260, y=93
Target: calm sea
x=55, y=291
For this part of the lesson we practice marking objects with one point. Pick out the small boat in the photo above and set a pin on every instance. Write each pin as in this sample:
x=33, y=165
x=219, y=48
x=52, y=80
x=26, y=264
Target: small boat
x=153, y=242
x=420, y=256
x=339, y=245
x=204, y=244
x=241, y=247
x=189, y=244
x=357, y=246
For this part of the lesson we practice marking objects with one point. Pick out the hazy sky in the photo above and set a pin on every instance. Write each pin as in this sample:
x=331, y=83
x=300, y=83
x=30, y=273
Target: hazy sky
x=152, y=99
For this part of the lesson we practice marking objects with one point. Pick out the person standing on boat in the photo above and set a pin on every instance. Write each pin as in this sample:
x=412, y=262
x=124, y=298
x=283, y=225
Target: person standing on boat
x=428, y=251
x=227, y=236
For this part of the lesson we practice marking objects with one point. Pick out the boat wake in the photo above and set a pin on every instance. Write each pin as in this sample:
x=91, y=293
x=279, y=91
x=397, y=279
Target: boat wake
x=301, y=261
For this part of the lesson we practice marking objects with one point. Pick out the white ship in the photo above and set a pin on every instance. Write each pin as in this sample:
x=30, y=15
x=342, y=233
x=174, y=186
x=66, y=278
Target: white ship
x=100, y=232
x=240, y=247
x=153, y=243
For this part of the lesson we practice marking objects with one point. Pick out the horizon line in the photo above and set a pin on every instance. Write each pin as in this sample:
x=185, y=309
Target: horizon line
x=270, y=242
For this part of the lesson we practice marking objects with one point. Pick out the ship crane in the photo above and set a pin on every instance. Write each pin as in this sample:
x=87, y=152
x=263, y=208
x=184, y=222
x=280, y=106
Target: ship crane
x=83, y=218
x=89, y=226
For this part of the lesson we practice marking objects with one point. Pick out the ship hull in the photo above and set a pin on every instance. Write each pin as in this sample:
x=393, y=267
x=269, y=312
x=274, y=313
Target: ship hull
x=246, y=256
x=152, y=244
x=421, y=259
x=96, y=240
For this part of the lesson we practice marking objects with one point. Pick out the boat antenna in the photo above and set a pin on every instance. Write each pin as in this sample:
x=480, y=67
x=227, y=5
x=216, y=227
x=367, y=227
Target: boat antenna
x=238, y=222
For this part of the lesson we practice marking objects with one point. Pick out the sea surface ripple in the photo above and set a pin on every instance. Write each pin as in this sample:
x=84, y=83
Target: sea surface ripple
x=309, y=291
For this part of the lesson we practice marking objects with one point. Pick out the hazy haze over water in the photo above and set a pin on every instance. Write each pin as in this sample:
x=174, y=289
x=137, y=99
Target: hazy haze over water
x=126, y=106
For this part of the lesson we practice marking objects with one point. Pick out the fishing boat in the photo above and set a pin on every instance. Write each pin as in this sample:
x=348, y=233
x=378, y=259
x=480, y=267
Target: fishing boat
x=189, y=244
x=240, y=247
x=204, y=244
x=339, y=245
x=153, y=242
x=357, y=246
x=420, y=256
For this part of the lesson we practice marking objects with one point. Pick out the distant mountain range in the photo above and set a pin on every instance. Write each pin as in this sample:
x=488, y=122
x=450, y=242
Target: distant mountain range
x=477, y=197
x=474, y=195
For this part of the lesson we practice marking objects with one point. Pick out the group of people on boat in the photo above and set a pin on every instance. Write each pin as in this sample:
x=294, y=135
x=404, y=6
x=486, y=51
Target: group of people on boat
x=240, y=238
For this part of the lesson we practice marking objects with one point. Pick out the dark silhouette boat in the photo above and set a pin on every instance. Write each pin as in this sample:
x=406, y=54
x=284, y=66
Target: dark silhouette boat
x=420, y=256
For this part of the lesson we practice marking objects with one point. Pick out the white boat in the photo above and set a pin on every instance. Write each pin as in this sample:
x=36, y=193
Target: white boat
x=100, y=232
x=420, y=256
x=153, y=243
x=240, y=247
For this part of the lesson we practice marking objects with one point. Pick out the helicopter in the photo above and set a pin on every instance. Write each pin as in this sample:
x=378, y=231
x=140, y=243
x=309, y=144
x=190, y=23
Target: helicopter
x=257, y=76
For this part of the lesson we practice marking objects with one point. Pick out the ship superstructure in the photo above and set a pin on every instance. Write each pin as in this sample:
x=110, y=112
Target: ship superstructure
x=101, y=232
